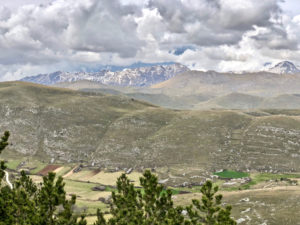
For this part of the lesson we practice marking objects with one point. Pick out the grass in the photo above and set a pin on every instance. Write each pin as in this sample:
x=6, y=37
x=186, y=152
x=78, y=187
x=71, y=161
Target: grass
x=13, y=164
x=103, y=177
x=91, y=219
x=231, y=174
x=31, y=163
x=175, y=191
x=64, y=170
x=257, y=178
x=90, y=207
x=260, y=177
x=79, y=188
x=39, y=167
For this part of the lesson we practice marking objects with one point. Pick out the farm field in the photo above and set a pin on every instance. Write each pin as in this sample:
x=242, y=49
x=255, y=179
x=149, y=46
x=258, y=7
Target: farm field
x=248, y=193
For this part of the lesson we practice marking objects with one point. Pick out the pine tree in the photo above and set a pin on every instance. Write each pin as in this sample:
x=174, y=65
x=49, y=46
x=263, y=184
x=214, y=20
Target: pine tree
x=154, y=206
x=209, y=211
x=3, y=144
x=29, y=204
x=47, y=204
x=150, y=205
x=100, y=218
x=158, y=203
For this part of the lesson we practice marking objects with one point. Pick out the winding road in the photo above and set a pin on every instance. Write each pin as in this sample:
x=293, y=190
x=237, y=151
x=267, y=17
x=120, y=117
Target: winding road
x=7, y=179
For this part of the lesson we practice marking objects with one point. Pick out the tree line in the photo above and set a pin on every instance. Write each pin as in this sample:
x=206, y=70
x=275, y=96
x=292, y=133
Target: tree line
x=28, y=203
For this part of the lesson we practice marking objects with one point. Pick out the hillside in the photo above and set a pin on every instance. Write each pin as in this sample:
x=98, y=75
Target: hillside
x=114, y=131
x=233, y=101
x=195, y=96
x=262, y=84
x=142, y=94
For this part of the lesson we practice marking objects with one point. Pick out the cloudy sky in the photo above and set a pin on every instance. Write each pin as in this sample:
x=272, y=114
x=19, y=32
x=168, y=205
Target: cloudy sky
x=39, y=36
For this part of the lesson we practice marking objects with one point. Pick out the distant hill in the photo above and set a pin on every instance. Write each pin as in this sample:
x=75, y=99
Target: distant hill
x=262, y=84
x=233, y=101
x=210, y=90
x=117, y=131
x=135, y=77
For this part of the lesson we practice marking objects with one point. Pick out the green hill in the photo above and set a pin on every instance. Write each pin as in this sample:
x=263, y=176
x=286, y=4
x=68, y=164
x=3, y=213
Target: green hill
x=116, y=131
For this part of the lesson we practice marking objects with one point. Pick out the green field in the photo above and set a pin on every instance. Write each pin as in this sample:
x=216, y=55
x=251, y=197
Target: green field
x=231, y=174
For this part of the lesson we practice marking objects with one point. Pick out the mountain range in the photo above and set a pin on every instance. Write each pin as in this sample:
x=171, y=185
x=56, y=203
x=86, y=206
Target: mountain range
x=136, y=77
x=143, y=76
x=175, y=86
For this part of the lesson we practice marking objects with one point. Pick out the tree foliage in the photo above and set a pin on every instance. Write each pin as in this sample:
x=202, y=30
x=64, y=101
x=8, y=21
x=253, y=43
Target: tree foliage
x=46, y=203
x=146, y=206
x=31, y=204
x=152, y=205
x=209, y=210
x=3, y=144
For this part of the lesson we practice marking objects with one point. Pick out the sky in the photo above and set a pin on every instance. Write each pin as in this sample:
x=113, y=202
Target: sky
x=42, y=36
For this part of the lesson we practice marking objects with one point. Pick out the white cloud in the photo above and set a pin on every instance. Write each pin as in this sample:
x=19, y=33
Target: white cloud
x=74, y=34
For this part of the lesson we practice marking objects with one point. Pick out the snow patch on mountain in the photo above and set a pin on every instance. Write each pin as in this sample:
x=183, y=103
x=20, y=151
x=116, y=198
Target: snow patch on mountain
x=137, y=77
x=284, y=67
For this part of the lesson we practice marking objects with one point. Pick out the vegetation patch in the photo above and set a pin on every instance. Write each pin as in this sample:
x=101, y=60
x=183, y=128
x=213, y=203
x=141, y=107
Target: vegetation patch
x=13, y=164
x=228, y=174
x=272, y=176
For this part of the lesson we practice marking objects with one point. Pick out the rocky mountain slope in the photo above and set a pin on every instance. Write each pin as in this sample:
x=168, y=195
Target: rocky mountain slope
x=137, y=77
x=115, y=131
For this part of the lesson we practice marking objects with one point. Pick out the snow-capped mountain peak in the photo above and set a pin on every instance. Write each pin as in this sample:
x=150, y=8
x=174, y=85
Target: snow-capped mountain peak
x=284, y=67
x=142, y=76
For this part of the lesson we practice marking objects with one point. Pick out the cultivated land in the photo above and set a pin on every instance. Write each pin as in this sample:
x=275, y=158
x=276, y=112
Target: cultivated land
x=55, y=129
x=264, y=198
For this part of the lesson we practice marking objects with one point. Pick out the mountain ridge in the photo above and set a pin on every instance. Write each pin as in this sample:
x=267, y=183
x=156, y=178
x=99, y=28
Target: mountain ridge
x=135, y=77
x=145, y=76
